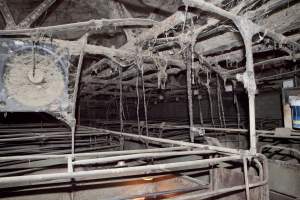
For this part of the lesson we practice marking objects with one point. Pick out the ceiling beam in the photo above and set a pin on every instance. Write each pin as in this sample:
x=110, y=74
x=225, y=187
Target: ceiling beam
x=35, y=14
x=119, y=11
x=7, y=15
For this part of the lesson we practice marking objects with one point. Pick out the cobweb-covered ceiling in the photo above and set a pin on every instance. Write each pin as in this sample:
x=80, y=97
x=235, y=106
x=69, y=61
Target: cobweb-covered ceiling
x=218, y=50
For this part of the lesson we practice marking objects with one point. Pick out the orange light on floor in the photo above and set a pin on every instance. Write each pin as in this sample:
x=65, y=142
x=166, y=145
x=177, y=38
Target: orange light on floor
x=148, y=178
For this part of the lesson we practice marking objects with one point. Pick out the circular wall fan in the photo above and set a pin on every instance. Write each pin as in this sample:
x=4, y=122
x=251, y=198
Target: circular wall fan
x=33, y=77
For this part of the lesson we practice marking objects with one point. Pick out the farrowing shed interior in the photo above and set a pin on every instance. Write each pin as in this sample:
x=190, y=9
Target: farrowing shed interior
x=149, y=99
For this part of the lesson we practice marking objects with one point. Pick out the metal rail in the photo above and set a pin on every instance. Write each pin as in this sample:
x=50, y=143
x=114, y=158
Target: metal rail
x=201, y=158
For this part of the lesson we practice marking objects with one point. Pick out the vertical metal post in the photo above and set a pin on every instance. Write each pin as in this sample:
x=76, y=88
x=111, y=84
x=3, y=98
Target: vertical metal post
x=70, y=170
x=266, y=175
x=70, y=164
x=248, y=78
x=73, y=130
x=261, y=178
x=77, y=81
x=252, y=124
x=187, y=55
x=212, y=176
x=200, y=110
x=121, y=107
x=246, y=178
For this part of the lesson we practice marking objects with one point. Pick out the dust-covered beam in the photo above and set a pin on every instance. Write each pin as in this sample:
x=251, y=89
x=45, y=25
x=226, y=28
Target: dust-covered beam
x=36, y=13
x=7, y=15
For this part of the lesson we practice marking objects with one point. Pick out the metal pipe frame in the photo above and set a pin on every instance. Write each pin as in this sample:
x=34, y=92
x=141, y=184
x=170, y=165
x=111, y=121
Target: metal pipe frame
x=231, y=130
x=240, y=22
x=173, y=142
x=178, y=148
x=141, y=156
x=95, y=154
x=263, y=183
x=294, y=151
x=247, y=29
x=115, y=171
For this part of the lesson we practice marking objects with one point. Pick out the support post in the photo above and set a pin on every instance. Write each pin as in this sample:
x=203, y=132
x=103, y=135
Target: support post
x=75, y=94
x=200, y=110
x=187, y=56
x=121, y=107
x=248, y=77
x=246, y=178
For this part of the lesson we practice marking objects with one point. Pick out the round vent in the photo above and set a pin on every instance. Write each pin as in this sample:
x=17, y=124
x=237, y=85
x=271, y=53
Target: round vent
x=33, y=78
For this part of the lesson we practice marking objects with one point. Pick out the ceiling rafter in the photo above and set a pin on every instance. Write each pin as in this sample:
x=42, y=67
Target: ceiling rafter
x=120, y=11
x=127, y=54
x=28, y=20
x=7, y=15
x=36, y=13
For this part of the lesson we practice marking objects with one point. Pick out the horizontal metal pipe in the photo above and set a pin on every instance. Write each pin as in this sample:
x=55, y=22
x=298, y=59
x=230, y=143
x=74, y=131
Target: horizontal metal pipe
x=142, y=155
x=296, y=137
x=44, y=136
x=239, y=130
x=280, y=148
x=8, y=132
x=96, y=154
x=66, y=151
x=32, y=125
x=113, y=172
x=218, y=192
x=175, y=142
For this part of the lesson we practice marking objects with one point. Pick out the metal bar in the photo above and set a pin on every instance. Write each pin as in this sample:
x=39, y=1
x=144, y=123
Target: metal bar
x=252, y=123
x=261, y=176
x=70, y=165
x=121, y=109
x=113, y=172
x=212, y=177
x=246, y=178
x=142, y=155
x=211, y=194
x=279, y=147
x=219, y=192
x=75, y=93
x=238, y=130
x=267, y=78
x=200, y=110
x=96, y=154
x=59, y=152
x=49, y=136
x=175, y=142
x=188, y=62
x=295, y=137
